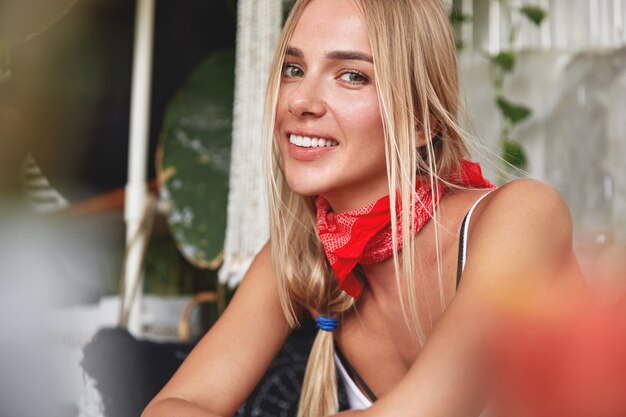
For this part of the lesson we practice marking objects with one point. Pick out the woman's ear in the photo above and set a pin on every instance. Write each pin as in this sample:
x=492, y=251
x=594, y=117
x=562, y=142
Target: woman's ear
x=421, y=135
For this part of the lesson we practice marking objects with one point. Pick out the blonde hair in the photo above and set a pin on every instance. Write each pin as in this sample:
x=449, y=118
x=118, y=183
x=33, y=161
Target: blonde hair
x=416, y=79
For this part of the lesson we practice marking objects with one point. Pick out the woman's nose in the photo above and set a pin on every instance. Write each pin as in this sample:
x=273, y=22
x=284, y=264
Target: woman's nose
x=307, y=99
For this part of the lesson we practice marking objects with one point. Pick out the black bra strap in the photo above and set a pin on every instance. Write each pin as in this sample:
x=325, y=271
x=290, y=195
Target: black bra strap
x=354, y=375
x=460, y=258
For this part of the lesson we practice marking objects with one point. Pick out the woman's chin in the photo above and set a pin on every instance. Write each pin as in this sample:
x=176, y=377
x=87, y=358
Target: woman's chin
x=307, y=182
x=304, y=188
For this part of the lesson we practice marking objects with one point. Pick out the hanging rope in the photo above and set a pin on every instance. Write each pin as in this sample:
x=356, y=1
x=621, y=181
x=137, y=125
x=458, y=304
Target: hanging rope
x=258, y=29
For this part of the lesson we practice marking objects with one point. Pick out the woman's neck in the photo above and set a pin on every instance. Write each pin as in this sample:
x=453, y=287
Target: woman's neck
x=343, y=201
x=380, y=278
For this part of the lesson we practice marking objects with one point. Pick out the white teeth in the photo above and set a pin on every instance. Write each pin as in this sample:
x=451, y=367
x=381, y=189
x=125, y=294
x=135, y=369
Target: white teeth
x=307, y=142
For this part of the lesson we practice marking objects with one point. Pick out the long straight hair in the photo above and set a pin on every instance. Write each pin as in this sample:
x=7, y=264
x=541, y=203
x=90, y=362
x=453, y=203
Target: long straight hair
x=416, y=79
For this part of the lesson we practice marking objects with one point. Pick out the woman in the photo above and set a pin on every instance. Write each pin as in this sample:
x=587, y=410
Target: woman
x=356, y=87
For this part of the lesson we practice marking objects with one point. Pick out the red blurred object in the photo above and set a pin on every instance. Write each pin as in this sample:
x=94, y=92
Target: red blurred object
x=570, y=364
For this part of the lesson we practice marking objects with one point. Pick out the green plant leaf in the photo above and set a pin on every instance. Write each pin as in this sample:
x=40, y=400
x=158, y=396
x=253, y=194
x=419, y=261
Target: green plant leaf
x=193, y=160
x=458, y=43
x=287, y=6
x=456, y=16
x=513, y=112
x=513, y=153
x=535, y=13
x=505, y=60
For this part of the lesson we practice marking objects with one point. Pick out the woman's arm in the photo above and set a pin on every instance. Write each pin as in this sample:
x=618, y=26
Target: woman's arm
x=225, y=366
x=521, y=244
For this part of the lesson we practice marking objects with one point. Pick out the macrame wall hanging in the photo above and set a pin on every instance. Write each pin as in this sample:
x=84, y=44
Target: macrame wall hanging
x=258, y=30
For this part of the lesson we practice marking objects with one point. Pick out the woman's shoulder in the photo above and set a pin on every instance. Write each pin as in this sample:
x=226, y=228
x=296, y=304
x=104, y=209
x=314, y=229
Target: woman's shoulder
x=530, y=203
x=523, y=227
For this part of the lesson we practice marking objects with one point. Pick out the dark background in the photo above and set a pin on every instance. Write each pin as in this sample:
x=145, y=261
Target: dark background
x=69, y=93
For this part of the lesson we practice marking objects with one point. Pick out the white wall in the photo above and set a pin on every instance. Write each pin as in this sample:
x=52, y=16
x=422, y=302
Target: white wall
x=572, y=73
x=572, y=24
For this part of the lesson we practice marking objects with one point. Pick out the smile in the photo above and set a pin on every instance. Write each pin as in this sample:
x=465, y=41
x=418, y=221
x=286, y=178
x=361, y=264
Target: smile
x=307, y=142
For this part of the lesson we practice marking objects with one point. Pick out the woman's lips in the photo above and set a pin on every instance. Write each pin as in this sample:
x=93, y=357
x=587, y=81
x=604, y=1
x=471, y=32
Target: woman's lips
x=311, y=142
x=308, y=148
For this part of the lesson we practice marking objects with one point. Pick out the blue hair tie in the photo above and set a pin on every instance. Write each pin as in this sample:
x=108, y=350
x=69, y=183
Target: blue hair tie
x=327, y=323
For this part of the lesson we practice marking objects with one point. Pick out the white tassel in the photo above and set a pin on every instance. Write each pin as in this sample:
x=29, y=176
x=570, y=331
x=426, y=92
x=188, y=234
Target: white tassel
x=258, y=30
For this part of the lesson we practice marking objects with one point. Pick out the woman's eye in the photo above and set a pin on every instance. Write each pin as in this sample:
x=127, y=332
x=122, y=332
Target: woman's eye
x=290, y=71
x=354, y=77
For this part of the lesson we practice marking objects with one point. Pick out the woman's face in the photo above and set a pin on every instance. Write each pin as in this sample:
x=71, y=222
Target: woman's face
x=328, y=122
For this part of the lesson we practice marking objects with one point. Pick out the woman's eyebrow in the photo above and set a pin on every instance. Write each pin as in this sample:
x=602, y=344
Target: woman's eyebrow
x=349, y=56
x=334, y=55
x=295, y=52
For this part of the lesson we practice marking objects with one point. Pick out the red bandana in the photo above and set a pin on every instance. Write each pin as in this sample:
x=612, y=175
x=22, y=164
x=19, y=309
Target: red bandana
x=364, y=235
